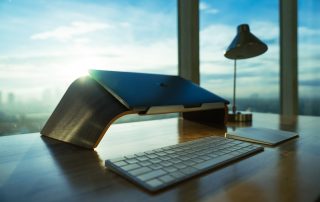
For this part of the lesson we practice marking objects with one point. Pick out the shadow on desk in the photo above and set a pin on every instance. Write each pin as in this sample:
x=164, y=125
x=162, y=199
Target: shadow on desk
x=189, y=130
x=84, y=172
x=85, y=175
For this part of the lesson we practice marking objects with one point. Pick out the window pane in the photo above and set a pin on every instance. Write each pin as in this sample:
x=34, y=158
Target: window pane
x=309, y=57
x=45, y=45
x=258, y=77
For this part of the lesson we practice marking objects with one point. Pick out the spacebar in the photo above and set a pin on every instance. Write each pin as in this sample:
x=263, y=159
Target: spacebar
x=214, y=162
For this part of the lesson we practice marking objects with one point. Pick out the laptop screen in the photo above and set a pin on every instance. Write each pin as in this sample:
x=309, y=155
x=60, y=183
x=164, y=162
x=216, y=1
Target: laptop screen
x=142, y=90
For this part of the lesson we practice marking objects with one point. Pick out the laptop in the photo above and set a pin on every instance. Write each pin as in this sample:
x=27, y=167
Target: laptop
x=92, y=103
x=154, y=93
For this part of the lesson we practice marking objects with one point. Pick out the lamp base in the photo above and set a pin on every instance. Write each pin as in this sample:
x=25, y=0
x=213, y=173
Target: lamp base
x=240, y=117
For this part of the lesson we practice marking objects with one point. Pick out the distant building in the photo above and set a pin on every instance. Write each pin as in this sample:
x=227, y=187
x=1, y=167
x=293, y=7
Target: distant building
x=1, y=101
x=11, y=99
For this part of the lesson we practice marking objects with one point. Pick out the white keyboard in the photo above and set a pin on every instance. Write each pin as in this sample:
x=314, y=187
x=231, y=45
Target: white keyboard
x=160, y=168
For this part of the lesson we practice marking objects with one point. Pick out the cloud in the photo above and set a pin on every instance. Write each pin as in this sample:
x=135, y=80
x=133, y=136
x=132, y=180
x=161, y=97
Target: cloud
x=207, y=9
x=212, y=11
x=217, y=36
x=307, y=32
x=310, y=83
x=203, y=6
x=265, y=30
x=67, y=32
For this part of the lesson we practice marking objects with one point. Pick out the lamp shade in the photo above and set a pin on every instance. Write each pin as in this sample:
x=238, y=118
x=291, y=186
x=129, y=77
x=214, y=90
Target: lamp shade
x=245, y=44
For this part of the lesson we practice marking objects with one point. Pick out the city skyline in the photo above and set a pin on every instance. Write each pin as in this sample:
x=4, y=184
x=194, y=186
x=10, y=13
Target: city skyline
x=47, y=48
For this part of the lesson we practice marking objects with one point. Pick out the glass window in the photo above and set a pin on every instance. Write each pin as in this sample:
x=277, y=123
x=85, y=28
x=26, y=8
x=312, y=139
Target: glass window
x=309, y=58
x=45, y=45
x=258, y=77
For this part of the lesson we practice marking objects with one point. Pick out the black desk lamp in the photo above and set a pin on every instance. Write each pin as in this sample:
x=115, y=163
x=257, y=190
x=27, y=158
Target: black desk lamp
x=244, y=45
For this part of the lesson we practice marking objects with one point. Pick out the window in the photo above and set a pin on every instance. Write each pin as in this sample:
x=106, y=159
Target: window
x=257, y=78
x=45, y=45
x=309, y=60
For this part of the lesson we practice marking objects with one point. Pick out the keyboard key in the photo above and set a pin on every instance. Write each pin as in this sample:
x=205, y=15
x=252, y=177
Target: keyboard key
x=213, y=155
x=189, y=162
x=183, y=158
x=165, y=163
x=155, y=166
x=155, y=160
x=152, y=174
x=140, y=154
x=175, y=160
x=244, y=144
x=212, y=162
x=169, y=152
x=170, y=169
x=129, y=156
x=204, y=157
x=166, y=178
x=142, y=158
x=154, y=182
x=164, y=158
x=188, y=170
x=140, y=171
x=161, y=154
x=179, y=165
x=120, y=163
x=131, y=160
x=198, y=160
x=152, y=156
x=176, y=174
x=145, y=163
x=130, y=167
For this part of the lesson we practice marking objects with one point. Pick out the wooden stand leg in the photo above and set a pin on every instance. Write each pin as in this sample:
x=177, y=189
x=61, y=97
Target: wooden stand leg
x=84, y=114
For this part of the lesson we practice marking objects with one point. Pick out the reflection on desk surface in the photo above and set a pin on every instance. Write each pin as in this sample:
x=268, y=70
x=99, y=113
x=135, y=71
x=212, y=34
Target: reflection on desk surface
x=42, y=169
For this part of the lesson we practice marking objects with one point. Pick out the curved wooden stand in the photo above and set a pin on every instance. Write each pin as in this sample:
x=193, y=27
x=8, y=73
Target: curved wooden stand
x=84, y=114
x=87, y=110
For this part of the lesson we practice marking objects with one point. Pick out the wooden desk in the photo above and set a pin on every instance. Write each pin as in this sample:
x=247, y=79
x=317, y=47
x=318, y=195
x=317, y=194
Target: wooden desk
x=34, y=168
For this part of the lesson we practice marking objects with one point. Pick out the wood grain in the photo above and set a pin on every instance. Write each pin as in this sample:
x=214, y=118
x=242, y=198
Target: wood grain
x=84, y=114
x=33, y=168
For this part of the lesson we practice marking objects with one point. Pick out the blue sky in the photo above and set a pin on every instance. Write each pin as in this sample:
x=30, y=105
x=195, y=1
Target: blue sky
x=47, y=44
